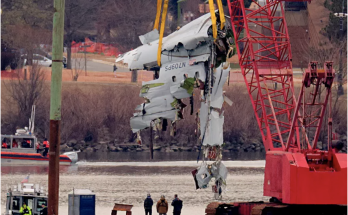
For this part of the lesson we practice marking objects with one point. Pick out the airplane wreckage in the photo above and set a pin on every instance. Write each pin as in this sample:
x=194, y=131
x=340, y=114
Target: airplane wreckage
x=190, y=58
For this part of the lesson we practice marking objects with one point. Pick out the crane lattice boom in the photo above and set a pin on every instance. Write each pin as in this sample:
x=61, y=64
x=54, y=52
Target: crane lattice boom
x=290, y=128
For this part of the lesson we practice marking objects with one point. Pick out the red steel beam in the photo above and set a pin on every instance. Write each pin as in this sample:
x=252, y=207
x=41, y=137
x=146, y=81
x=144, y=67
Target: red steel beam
x=267, y=47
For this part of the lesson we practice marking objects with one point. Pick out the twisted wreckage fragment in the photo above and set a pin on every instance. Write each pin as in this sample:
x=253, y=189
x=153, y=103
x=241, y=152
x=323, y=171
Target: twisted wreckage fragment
x=191, y=58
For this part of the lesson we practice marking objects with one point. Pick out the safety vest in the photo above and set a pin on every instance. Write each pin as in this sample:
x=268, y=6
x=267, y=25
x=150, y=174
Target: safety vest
x=25, y=211
x=46, y=144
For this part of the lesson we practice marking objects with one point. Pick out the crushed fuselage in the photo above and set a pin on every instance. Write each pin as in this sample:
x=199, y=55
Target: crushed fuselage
x=191, y=58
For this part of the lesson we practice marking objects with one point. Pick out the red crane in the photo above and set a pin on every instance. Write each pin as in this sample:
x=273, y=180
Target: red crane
x=296, y=171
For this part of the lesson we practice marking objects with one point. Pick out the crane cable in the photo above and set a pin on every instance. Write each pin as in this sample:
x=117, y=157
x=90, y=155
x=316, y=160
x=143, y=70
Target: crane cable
x=156, y=26
x=213, y=18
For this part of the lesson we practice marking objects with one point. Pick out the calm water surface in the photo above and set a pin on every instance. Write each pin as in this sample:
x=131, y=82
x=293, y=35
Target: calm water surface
x=102, y=163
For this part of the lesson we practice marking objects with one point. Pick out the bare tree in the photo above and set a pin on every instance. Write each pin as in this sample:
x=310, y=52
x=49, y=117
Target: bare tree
x=25, y=24
x=77, y=66
x=327, y=52
x=192, y=7
x=80, y=17
x=126, y=20
x=23, y=91
x=314, y=50
x=27, y=37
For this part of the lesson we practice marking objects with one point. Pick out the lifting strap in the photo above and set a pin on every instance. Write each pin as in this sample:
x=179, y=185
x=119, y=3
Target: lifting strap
x=213, y=18
x=164, y=16
x=222, y=15
x=158, y=14
x=163, y=22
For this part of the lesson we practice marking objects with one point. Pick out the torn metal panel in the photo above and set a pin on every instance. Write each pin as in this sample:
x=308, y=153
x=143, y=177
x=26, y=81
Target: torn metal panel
x=127, y=58
x=203, y=177
x=222, y=171
x=205, y=173
x=153, y=89
x=148, y=57
x=146, y=87
x=172, y=76
x=214, y=132
x=220, y=77
x=162, y=92
x=178, y=92
x=189, y=37
x=140, y=122
x=203, y=118
x=149, y=37
x=156, y=105
x=227, y=100
x=199, y=54
x=184, y=89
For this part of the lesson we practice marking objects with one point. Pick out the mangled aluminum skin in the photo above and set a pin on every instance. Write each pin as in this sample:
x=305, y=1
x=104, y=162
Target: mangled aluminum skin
x=188, y=60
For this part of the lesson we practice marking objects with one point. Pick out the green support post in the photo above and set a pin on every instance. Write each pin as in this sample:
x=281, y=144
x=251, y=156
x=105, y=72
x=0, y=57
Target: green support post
x=55, y=107
x=179, y=12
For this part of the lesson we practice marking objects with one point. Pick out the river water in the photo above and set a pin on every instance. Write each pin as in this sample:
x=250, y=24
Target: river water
x=123, y=178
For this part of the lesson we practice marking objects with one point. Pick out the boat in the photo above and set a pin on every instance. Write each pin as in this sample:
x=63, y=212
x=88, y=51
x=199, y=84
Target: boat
x=20, y=149
x=33, y=195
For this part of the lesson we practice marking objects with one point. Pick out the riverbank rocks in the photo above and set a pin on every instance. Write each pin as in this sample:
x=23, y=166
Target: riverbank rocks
x=182, y=143
x=157, y=148
x=103, y=147
x=89, y=149
x=69, y=149
x=187, y=149
x=173, y=142
x=112, y=148
x=72, y=143
x=168, y=150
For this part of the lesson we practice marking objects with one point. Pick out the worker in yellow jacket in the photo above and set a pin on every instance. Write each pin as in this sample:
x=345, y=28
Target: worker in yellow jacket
x=25, y=210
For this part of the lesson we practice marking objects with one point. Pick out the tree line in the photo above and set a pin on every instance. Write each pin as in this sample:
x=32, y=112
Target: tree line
x=26, y=24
